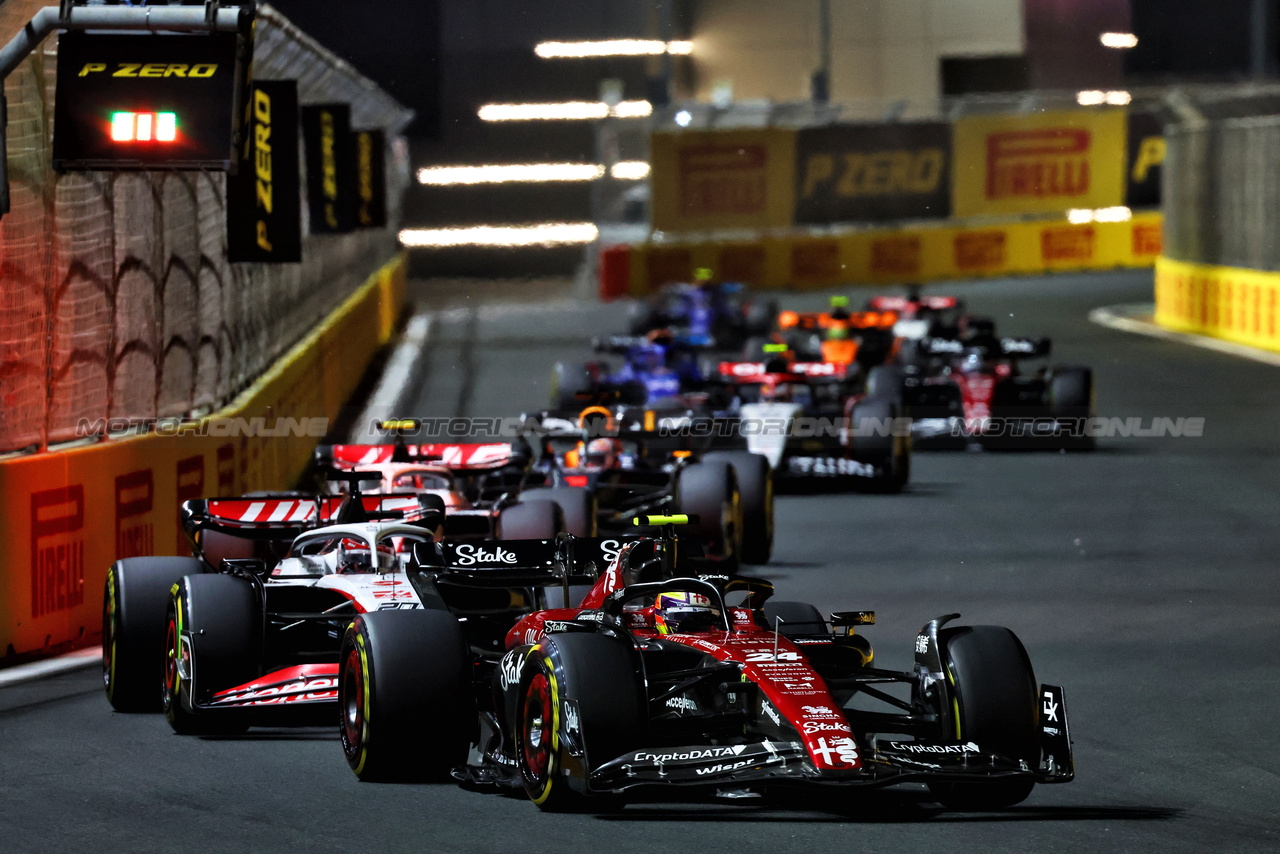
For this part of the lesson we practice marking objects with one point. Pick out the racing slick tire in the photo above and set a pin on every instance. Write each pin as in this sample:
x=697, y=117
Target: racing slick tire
x=567, y=382
x=759, y=317
x=213, y=642
x=887, y=381
x=755, y=490
x=997, y=700
x=404, y=688
x=134, y=604
x=799, y=619
x=642, y=318
x=596, y=672
x=536, y=520
x=709, y=490
x=577, y=506
x=1069, y=396
x=892, y=452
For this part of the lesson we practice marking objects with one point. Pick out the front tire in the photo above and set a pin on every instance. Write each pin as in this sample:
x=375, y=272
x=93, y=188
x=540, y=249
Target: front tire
x=995, y=692
x=404, y=688
x=214, y=640
x=134, y=604
x=597, y=674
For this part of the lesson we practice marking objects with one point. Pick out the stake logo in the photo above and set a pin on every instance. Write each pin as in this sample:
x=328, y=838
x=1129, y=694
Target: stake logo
x=57, y=557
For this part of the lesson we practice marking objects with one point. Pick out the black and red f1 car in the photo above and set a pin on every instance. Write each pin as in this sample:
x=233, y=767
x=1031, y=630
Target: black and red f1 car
x=247, y=632
x=656, y=681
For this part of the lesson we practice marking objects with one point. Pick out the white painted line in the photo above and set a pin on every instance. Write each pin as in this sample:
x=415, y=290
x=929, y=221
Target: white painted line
x=78, y=660
x=1138, y=319
x=395, y=378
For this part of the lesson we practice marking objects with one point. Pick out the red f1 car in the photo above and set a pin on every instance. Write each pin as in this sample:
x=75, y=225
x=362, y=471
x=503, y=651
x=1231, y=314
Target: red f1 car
x=656, y=681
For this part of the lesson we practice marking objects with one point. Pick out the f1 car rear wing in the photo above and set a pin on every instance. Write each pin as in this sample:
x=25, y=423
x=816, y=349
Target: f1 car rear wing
x=747, y=371
x=521, y=563
x=272, y=518
x=456, y=457
x=900, y=304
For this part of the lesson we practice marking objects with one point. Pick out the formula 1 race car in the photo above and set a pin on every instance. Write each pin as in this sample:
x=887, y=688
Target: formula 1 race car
x=486, y=487
x=838, y=337
x=656, y=682
x=719, y=315
x=655, y=368
x=822, y=422
x=638, y=462
x=247, y=632
x=975, y=389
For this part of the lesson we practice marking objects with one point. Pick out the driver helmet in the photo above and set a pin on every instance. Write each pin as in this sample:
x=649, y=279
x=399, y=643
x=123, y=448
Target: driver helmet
x=649, y=357
x=600, y=454
x=679, y=612
x=972, y=360
x=354, y=556
x=837, y=332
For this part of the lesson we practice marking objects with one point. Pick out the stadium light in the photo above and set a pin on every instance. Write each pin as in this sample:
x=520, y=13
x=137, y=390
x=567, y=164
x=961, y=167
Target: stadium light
x=612, y=47
x=510, y=173
x=564, y=111
x=1120, y=41
x=1096, y=97
x=546, y=234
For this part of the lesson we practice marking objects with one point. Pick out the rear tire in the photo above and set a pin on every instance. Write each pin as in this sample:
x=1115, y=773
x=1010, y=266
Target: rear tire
x=537, y=520
x=404, y=688
x=214, y=633
x=598, y=673
x=755, y=490
x=996, y=694
x=1069, y=396
x=710, y=491
x=577, y=506
x=134, y=604
x=567, y=382
x=891, y=452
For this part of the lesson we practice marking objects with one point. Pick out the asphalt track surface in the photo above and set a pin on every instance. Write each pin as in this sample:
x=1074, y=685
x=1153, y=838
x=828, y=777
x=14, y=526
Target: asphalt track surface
x=1141, y=577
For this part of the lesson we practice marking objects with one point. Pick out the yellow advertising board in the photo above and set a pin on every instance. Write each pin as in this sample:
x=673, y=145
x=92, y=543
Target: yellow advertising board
x=67, y=515
x=723, y=179
x=921, y=253
x=1232, y=303
x=1039, y=163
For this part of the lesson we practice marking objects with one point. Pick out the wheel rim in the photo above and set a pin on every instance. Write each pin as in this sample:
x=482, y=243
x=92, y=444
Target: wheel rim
x=171, y=672
x=109, y=633
x=352, y=703
x=536, y=728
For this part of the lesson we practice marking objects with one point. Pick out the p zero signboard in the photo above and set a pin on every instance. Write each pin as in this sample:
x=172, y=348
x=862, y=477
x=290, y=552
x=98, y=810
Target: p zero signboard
x=147, y=101
x=331, y=183
x=1040, y=163
x=263, y=198
x=873, y=173
x=371, y=179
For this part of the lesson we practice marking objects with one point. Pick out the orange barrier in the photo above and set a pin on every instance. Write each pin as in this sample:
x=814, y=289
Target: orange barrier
x=1232, y=303
x=923, y=253
x=69, y=514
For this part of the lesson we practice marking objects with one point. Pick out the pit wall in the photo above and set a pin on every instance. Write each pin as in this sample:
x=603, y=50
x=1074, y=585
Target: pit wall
x=924, y=253
x=67, y=515
x=1233, y=303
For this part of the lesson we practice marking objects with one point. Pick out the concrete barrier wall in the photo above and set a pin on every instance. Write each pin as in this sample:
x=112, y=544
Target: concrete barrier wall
x=68, y=515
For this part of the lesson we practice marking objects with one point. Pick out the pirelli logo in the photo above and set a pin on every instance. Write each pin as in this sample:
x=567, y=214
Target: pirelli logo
x=57, y=549
x=150, y=70
x=1038, y=163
